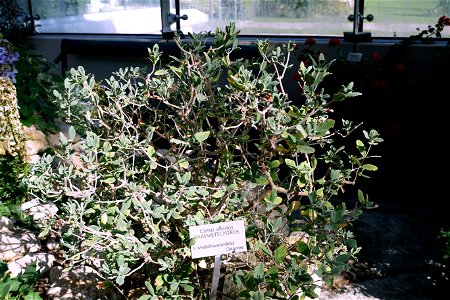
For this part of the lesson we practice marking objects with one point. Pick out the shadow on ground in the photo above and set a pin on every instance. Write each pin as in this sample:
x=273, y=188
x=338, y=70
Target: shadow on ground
x=402, y=254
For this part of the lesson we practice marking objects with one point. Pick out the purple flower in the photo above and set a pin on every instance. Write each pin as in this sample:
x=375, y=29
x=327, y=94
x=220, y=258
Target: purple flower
x=13, y=57
x=10, y=74
x=7, y=60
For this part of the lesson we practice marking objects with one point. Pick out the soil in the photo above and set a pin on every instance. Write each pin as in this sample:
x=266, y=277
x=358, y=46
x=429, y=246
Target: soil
x=401, y=253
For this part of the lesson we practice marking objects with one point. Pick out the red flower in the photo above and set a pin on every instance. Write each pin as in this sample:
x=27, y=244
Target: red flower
x=333, y=42
x=444, y=21
x=415, y=80
x=400, y=68
x=376, y=56
x=380, y=85
x=310, y=42
x=296, y=76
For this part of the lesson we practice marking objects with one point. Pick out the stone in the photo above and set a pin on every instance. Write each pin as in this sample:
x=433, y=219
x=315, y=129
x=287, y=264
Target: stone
x=6, y=225
x=53, y=244
x=42, y=211
x=35, y=140
x=14, y=245
x=53, y=139
x=79, y=282
x=44, y=262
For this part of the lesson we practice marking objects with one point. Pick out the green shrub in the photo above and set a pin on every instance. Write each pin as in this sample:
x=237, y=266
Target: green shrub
x=205, y=138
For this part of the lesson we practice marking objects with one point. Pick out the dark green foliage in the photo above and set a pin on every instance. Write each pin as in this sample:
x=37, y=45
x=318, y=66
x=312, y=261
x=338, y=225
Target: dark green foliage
x=20, y=287
x=12, y=190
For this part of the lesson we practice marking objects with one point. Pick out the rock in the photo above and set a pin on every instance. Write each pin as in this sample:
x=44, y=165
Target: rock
x=53, y=139
x=6, y=225
x=35, y=140
x=44, y=263
x=230, y=287
x=79, y=282
x=14, y=245
x=41, y=211
x=53, y=244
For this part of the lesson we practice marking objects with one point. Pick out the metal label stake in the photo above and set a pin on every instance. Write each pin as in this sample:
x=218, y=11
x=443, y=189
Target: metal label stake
x=216, y=276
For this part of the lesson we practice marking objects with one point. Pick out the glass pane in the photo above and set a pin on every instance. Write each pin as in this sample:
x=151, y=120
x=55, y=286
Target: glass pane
x=270, y=17
x=254, y=17
x=98, y=16
x=402, y=17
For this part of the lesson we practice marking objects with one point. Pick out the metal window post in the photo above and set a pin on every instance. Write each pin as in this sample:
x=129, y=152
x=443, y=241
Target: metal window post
x=168, y=18
x=357, y=35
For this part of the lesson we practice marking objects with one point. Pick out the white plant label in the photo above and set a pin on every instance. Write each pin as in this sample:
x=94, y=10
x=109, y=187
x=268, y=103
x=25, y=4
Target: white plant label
x=354, y=56
x=218, y=238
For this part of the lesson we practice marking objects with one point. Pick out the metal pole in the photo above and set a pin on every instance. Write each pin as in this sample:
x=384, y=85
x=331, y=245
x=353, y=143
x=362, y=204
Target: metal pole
x=216, y=277
x=30, y=11
x=360, y=15
x=177, y=12
x=356, y=17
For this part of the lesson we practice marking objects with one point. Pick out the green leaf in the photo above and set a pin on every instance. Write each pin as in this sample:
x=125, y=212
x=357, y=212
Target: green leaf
x=16, y=285
x=30, y=275
x=342, y=258
x=186, y=177
x=3, y=268
x=258, y=273
x=290, y=163
x=231, y=187
x=273, y=164
x=262, y=180
x=159, y=281
x=202, y=192
x=337, y=270
x=361, y=148
x=280, y=253
x=369, y=167
x=151, y=151
x=325, y=126
x=306, y=149
x=62, y=139
x=32, y=296
x=178, y=142
x=120, y=279
x=361, y=197
x=302, y=131
x=160, y=72
x=258, y=295
x=71, y=133
x=335, y=175
x=109, y=180
x=351, y=243
x=184, y=164
x=218, y=194
x=201, y=136
x=277, y=224
x=4, y=289
x=260, y=245
x=187, y=287
x=303, y=248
